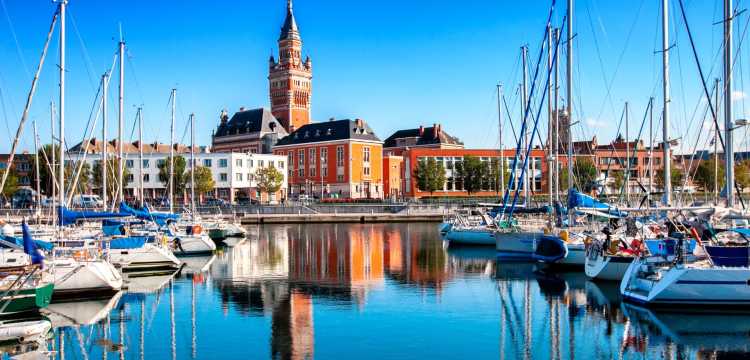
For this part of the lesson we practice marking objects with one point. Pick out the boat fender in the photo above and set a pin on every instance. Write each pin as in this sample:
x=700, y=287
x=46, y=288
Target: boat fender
x=564, y=235
x=197, y=229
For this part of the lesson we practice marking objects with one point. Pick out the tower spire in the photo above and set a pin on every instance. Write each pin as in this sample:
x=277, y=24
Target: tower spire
x=289, y=6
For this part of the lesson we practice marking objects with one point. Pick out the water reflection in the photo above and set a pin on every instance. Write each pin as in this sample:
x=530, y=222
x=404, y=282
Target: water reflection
x=372, y=291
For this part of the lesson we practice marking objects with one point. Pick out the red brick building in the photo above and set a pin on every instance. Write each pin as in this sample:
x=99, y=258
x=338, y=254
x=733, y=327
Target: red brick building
x=336, y=158
x=289, y=78
x=426, y=138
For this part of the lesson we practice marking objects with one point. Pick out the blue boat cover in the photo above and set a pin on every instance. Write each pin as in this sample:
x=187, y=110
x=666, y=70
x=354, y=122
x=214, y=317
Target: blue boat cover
x=146, y=214
x=577, y=199
x=29, y=245
x=730, y=256
x=68, y=217
x=130, y=242
x=666, y=247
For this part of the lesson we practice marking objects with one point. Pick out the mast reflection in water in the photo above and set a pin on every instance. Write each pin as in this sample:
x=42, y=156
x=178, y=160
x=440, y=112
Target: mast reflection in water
x=371, y=292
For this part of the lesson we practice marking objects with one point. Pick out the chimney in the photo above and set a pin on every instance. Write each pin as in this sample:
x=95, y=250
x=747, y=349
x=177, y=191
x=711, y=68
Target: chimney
x=331, y=118
x=439, y=129
x=242, y=108
x=359, y=123
x=224, y=116
x=421, y=130
x=434, y=131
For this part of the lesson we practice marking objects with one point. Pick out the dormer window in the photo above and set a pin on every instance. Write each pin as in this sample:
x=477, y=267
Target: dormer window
x=328, y=132
x=296, y=135
x=317, y=133
x=307, y=134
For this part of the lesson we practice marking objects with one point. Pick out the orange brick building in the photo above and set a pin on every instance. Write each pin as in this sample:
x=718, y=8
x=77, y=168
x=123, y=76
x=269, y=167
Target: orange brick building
x=392, y=168
x=336, y=158
x=290, y=79
x=449, y=157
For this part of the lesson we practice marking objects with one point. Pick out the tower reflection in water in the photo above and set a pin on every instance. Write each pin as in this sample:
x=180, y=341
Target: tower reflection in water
x=306, y=291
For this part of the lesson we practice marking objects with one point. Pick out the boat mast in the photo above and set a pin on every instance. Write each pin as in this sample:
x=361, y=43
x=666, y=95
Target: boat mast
x=550, y=119
x=728, y=124
x=569, y=94
x=650, y=148
x=36, y=169
x=192, y=164
x=121, y=122
x=62, y=69
x=140, y=154
x=105, y=143
x=556, y=134
x=501, y=161
x=716, y=147
x=627, y=155
x=51, y=167
x=524, y=99
x=665, y=93
x=171, y=153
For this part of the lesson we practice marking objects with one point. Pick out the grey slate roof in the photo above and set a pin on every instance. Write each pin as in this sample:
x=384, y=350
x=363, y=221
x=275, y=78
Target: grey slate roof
x=427, y=138
x=289, y=29
x=330, y=131
x=250, y=121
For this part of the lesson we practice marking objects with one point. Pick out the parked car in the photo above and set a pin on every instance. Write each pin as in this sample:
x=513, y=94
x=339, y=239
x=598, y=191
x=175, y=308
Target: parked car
x=161, y=202
x=247, y=201
x=215, y=202
x=87, y=201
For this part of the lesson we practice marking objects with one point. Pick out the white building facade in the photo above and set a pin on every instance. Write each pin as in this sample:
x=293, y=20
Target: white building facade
x=234, y=174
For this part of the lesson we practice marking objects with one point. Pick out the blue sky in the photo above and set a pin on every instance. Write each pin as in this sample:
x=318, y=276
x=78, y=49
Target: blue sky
x=396, y=64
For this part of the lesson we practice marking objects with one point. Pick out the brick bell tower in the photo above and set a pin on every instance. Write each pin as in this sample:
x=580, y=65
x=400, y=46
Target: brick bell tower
x=290, y=79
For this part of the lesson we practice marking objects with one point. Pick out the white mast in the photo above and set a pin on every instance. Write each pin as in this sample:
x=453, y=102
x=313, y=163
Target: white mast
x=524, y=98
x=728, y=124
x=650, y=148
x=192, y=164
x=665, y=92
x=53, y=157
x=569, y=94
x=501, y=161
x=105, y=143
x=716, y=147
x=140, y=154
x=36, y=169
x=120, y=123
x=550, y=120
x=171, y=153
x=62, y=69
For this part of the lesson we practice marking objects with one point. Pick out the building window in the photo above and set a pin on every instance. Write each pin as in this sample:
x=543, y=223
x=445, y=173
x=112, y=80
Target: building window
x=129, y=164
x=238, y=162
x=130, y=178
x=301, y=159
x=207, y=162
x=366, y=171
x=146, y=178
x=281, y=164
x=238, y=176
x=223, y=163
x=160, y=162
x=146, y=164
x=223, y=177
x=250, y=163
x=271, y=164
x=301, y=172
x=261, y=163
x=340, y=178
x=366, y=154
x=339, y=156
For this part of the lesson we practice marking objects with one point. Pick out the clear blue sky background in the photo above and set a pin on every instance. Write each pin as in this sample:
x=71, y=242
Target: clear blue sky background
x=396, y=64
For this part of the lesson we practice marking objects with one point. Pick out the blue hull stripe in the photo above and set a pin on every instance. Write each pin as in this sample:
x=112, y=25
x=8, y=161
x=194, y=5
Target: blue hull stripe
x=712, y=282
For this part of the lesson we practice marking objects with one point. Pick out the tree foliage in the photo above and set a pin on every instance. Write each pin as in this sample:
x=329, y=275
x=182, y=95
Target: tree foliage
x=11, y=183
x=204, y=180
x=113, y=172
x=269, y=179
x=181, y=176
x=584, y=175
x=675, y=174
x=705, y=175
x=429, y=175
x=475, y=174
x=742, y=174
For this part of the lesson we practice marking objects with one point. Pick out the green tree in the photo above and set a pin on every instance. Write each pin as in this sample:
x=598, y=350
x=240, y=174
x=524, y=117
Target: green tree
x=618, y=179
x=429, y=175
x=474, y=173
x=11, y=183
x=584, y=175
x=113, y=172
x=494, y=175
x=705, y=175
x=676, y=175
x=181, y=176
x=742, y=174
x=269, y=180
x=46, y=173
x=204, y=180
x=83, y=186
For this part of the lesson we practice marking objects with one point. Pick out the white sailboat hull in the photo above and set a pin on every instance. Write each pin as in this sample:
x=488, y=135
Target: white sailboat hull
x=147, y=257
x=193, y=244
x=607, y=267
x=73, y=277
x=518, y=245
x=688, y=285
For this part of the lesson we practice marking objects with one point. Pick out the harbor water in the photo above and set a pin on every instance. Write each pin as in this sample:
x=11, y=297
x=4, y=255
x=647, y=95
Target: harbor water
x=374, y=291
